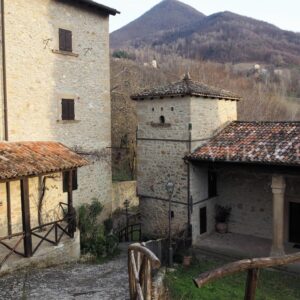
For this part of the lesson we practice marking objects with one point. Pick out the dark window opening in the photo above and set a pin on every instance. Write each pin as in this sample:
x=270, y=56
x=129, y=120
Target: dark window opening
x=161, y=108
x=153, y=109
x=67, y=109
x=212, y=184
x=65, y=40
x=172, y=108
x=203, y=220
x=162, y=120
x=66, y=180
x=172, y=214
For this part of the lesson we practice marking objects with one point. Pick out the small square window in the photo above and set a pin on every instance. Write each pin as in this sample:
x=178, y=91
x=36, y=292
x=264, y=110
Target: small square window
x=66, y=180
x=65, y=40
x=67, y=109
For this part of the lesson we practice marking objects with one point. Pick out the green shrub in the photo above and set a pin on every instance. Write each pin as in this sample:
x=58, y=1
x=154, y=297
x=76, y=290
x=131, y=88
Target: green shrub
x=95, y=238
x=123, y=54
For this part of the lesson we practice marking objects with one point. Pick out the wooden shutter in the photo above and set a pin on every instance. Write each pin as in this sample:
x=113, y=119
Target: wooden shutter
x=65, y=40
x=67, y=109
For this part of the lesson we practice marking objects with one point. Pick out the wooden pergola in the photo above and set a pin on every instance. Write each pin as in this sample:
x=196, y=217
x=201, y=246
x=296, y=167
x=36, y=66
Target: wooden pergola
x=20, y=161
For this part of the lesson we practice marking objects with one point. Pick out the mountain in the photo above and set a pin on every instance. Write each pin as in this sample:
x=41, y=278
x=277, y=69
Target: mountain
x=222, y=37
x=167, y=15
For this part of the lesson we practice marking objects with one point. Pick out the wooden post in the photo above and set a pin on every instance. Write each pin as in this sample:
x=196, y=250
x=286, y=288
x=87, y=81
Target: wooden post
x=251, y=284
x=70, y=203
x=26, y=217
x=8, y=209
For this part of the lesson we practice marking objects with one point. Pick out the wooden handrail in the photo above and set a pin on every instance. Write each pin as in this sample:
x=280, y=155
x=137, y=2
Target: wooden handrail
x=245, y=264
x=155, y=262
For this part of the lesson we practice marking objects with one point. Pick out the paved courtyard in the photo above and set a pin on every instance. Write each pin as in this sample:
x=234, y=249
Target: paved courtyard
x=77, y=281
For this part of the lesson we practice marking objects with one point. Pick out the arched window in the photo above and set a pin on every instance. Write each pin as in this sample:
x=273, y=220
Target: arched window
x=162, y=120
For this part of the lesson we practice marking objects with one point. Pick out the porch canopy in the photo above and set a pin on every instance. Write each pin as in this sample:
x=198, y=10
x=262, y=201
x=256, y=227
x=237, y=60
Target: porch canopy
x=26, y=159
x=272, y=146
x=18, y=162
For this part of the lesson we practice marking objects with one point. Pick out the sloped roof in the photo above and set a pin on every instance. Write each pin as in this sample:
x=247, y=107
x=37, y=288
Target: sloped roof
x=95, y=5
x=22, y=159
x=185, y=87
x=276, y=143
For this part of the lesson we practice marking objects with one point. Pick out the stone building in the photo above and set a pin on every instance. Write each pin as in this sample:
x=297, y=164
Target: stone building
x=55, y=86
x=188, y=133
x=172, y=121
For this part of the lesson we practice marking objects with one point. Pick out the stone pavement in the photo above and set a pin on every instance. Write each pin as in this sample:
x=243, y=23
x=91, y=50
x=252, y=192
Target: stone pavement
x=107, y=281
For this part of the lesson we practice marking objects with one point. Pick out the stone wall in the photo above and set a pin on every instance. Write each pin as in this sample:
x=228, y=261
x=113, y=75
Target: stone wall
x=208, y=116
x=39, y=76
x=122, y=191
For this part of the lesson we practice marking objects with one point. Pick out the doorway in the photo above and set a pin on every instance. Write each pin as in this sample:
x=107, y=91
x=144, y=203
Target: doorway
x=294, y=223
x=203, y=220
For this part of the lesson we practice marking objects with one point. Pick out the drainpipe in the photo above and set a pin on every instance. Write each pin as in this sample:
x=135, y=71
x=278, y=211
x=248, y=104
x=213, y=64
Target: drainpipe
x=5, y=117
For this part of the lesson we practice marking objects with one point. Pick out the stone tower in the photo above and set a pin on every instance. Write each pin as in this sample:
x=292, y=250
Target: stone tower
x=172, y=121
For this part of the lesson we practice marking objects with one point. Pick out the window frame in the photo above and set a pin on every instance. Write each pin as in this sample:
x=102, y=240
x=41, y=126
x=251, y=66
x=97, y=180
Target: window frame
x=68, y=115
x=65, y=40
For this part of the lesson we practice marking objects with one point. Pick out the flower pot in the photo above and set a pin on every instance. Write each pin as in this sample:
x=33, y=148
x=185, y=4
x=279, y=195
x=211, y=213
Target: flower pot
x=222, y=227
x=187, y=261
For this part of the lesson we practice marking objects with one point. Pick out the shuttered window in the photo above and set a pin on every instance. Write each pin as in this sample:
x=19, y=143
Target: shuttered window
x=67, y=109
x=66, y=179
x=65, y=40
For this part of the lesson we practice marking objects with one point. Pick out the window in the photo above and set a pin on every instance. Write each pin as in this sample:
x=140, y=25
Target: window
x=212, y=184
x=65, y=40
x=66, y=180
x=162, y=120
x=67, y=109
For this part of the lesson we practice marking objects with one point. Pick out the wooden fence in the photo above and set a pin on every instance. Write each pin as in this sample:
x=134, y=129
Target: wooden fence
x=141, y=263
x=252, y=266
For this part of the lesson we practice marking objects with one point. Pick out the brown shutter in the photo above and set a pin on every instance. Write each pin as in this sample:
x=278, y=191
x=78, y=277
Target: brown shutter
x=67, y=109
x=62, y=39
x=65, y=40
x=68, y=40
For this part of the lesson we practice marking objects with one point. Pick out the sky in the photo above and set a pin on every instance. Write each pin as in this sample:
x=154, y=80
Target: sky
x=282, y=13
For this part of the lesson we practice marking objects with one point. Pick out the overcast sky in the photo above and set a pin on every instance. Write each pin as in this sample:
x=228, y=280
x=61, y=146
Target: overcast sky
x=282, y=13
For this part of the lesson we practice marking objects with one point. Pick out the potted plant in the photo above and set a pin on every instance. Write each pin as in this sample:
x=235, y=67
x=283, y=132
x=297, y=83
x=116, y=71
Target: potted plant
x=187, y=258
x=222, y=217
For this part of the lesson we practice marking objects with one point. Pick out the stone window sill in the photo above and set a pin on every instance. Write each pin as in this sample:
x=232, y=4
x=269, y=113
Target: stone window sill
x=162, y=125
x=67, y=121
x=67, y=53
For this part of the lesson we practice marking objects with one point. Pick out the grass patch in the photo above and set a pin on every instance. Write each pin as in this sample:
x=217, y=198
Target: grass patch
x=272, y=285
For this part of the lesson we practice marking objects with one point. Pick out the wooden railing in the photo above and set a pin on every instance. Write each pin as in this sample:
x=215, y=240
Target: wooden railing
x=67, y=225
x=141, y=263
x=12, y=249
x=126, y=234
x=252, y=266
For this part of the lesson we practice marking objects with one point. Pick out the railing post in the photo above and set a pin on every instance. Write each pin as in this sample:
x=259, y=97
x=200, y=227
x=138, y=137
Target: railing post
x=71, y=210
x=26, y=217
x=251, y=284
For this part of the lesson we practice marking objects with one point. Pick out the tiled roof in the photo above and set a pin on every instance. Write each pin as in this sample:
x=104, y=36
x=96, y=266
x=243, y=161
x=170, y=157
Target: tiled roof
x=276, y=143
x=21, y=159
x=95, y=5
x=185, y=87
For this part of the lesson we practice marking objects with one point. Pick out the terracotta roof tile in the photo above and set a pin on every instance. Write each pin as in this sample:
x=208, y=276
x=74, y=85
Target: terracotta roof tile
x=185, y=87
x=19, y=159
x=275, y=143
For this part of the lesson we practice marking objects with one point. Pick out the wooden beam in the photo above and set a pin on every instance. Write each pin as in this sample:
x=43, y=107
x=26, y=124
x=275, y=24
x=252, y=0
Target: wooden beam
x=26, y=217
x=71, y=213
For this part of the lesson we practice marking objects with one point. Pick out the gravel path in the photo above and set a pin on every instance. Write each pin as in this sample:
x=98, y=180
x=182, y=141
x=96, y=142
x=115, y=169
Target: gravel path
x=107, y=281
